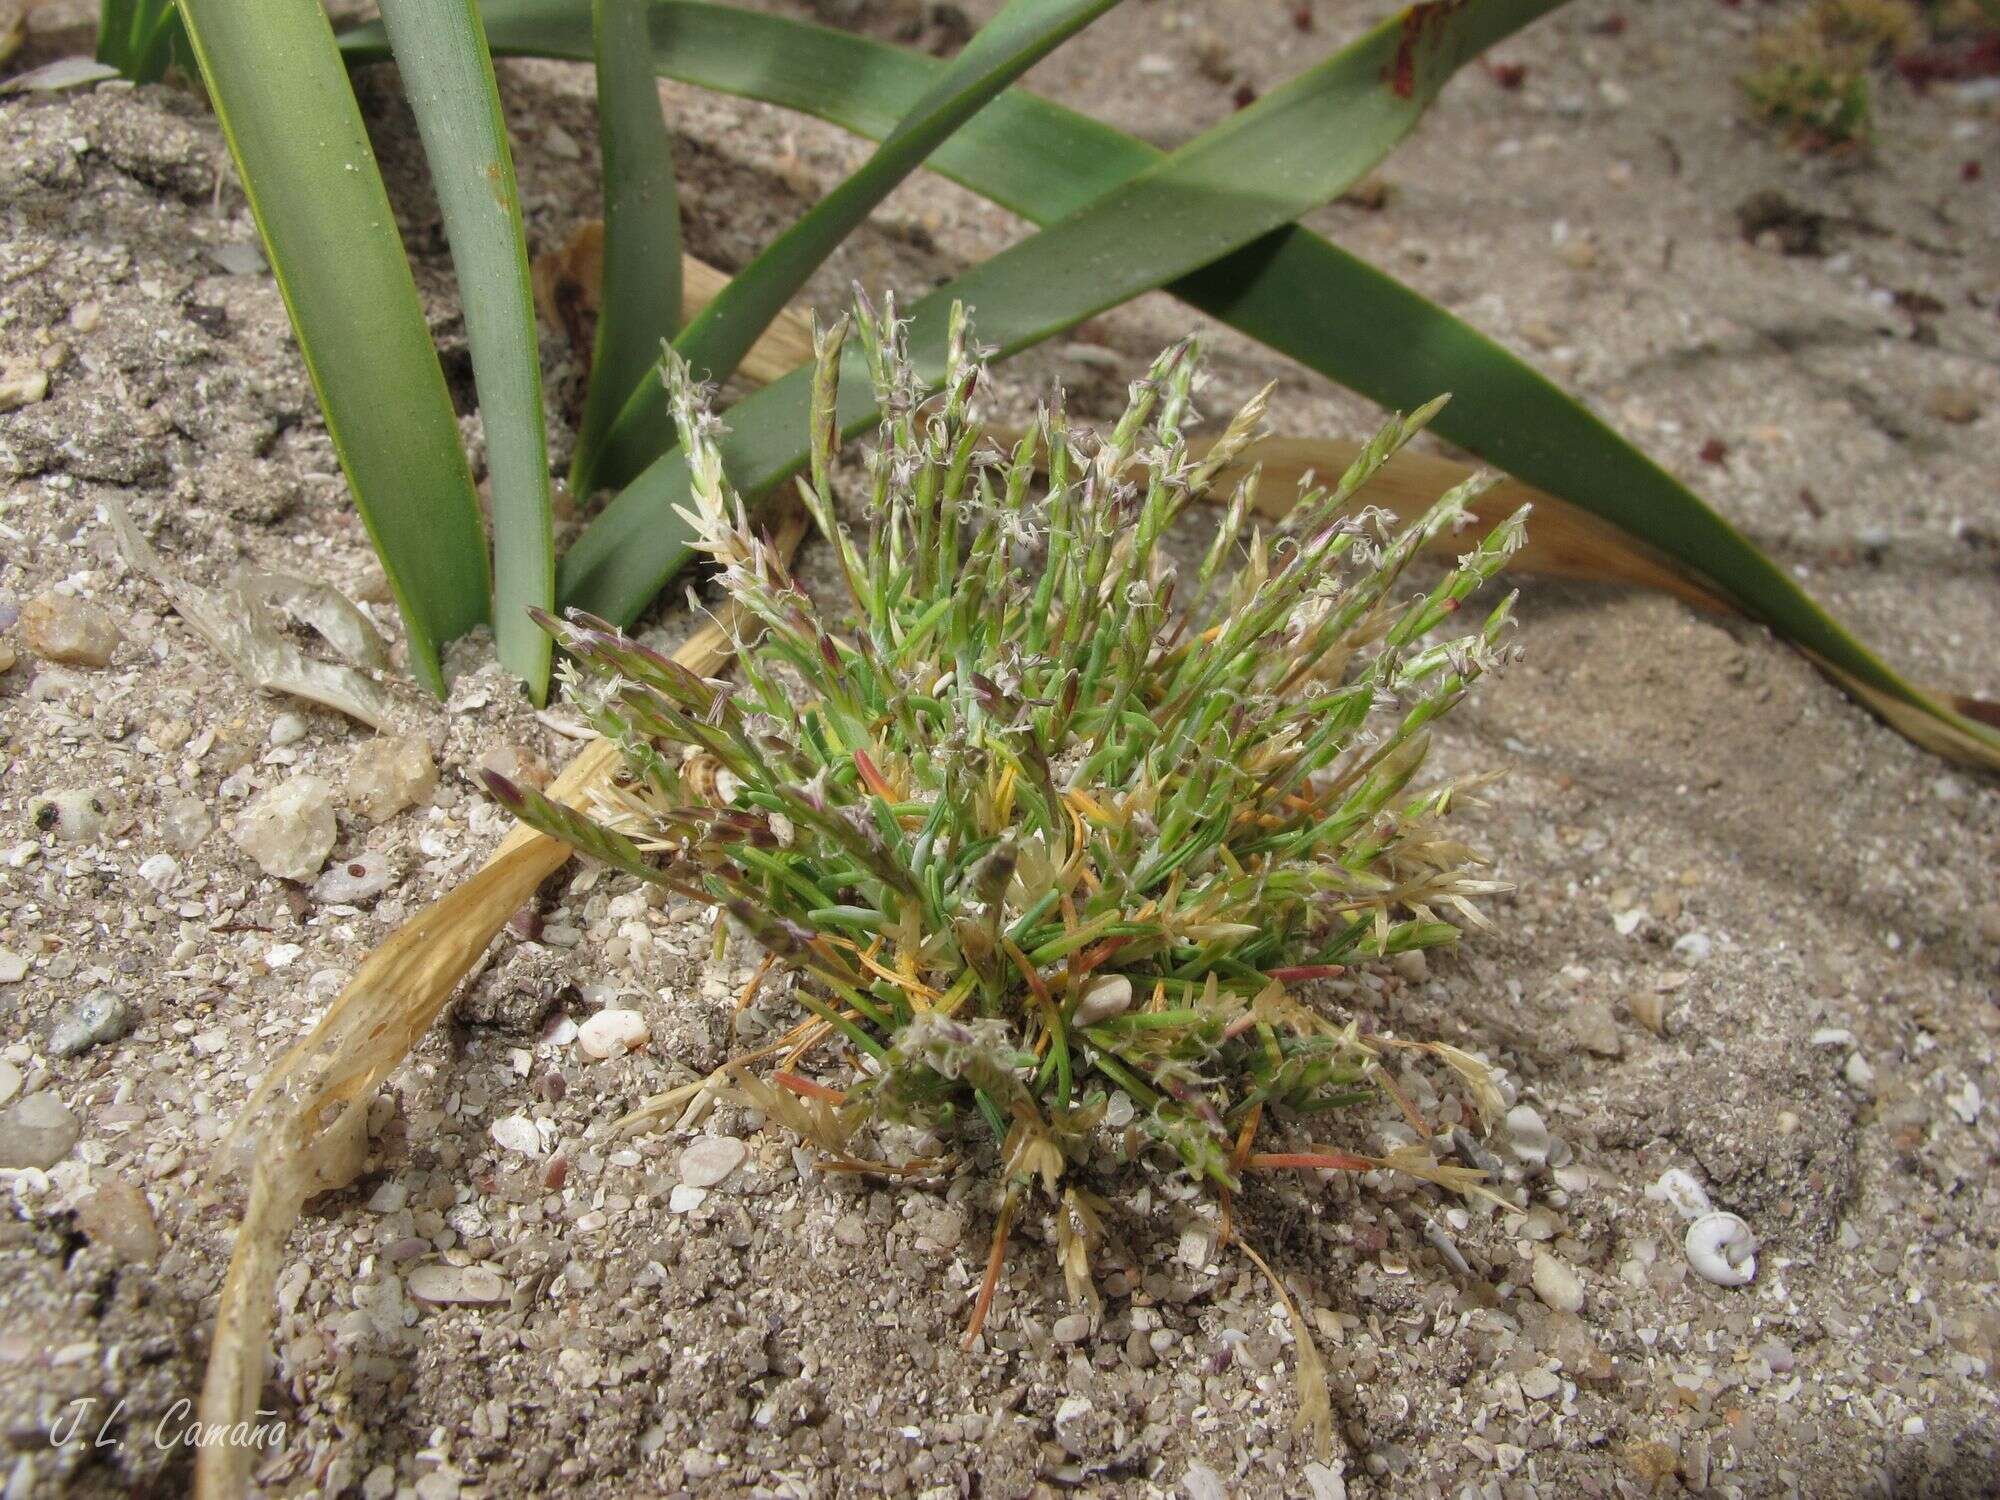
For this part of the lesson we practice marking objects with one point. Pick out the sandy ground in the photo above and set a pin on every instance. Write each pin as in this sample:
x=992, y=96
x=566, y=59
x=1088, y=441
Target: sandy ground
x=1703, y=834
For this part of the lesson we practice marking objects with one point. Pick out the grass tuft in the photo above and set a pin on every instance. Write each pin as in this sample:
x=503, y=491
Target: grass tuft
x=1050, y=831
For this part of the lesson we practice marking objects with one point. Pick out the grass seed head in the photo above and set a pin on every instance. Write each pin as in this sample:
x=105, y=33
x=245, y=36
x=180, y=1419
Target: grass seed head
x=1037, y=819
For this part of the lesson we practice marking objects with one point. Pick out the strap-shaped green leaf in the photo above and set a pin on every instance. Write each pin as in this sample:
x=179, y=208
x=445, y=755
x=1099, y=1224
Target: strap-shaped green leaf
x=640, y=303
x=1292, y=150
x=448, y=75
x=275, y=78
x=138, y=37
x=1024, y=32
x=1365, y=330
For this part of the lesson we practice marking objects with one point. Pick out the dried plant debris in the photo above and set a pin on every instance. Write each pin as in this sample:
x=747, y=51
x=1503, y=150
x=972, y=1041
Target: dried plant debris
x=240, y=621
x=1047, y=832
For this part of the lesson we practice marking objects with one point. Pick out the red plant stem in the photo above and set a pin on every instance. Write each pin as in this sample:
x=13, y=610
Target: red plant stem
x=996, y=1258
x=807, y=1088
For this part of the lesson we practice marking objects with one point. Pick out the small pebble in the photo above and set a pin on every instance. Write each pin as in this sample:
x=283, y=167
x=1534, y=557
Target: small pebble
x=1070, y=1424
x=102, y=1016
x=10, y=1082
x=708, y=1159
x=37, y=1132
x=77, y=815
x=517, y=1133
x=1556, y=1282
x=71, y=631
x=22, y=385
x=290, y=829
x=184, y=823
x=517, y=765
x=612, y=1033
x=288, y=729
x=1693, y=947
x=1072, y=1328
x=684, y=1199
x=118, y=1216
x=1200, y=1482
x=389, y=774
x=13, y=967
x=159, y=871
x=349, y=882
x=1953, y=403
x=1527, y=1137
x=443, y=1285
x=1107, y=997
x=1596, y=1029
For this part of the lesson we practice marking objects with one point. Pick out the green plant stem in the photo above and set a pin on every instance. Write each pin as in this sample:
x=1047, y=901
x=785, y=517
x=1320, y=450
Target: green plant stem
x=714, y=343
x=449, y=78
x=640, y=302
x=275, y=78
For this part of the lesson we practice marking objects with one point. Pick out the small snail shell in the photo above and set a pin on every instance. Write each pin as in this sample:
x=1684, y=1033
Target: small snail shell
x=1108, y=997
x=1681, y=1191
x=1722, y=1249
x=707, y=780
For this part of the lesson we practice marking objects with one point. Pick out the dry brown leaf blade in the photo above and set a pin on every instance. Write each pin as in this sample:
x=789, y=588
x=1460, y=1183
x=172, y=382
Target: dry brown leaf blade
x=385, y=1010
x=1566, y=541
x=240, y=626
x=569, y=283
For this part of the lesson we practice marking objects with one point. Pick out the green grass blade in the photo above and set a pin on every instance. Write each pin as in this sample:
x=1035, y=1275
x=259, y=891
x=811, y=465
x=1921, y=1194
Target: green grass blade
x=1044, y=162
x=276, y=81
x=641, y=298
x=137, y=37
x=441, y=48
x=1024, y=32
x=1292, y=150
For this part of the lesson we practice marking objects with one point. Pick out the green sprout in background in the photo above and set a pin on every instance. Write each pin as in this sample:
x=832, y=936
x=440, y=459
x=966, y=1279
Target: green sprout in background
x=1050, y=831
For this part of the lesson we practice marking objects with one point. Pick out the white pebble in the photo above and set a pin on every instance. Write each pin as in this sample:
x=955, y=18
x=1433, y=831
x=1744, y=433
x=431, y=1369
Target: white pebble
x=1681, y=1191
x=1527, y=1135
x=1556, y=1282
x=1722, y=1249
x=1106, y=997
x=13, y=967
x=290, y=829
x=612, y=1033
x=708, y=1159
x=684, y=1199
x=348, y=881
x=159, y=871
x=288, y=729
x=444, y=1284
x=517, y=1133
x=1693, y=947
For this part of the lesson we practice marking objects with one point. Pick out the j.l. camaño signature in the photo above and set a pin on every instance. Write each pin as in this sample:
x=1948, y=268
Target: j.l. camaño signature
x=87, y=1420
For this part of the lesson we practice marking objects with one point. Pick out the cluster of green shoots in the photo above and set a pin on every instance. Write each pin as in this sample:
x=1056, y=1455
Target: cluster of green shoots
x=1037, y=819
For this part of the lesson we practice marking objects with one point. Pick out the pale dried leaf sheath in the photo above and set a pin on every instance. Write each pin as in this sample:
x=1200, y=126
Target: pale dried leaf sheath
x=569, y=284
x=385, y=1009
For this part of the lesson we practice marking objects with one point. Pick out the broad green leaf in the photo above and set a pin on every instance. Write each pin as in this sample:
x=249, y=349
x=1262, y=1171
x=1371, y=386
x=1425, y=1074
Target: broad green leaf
x=641, y=295
x=1024, y=32
x=276, y=81
x=1292, y=150
x=441, y=48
